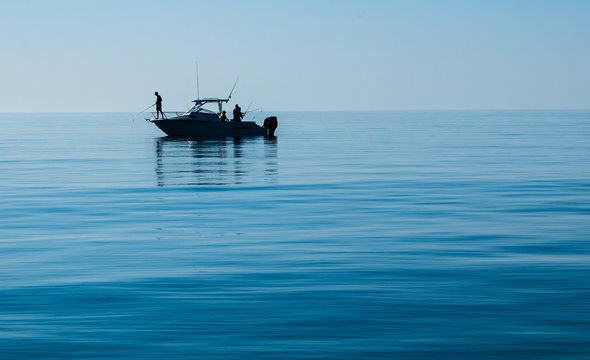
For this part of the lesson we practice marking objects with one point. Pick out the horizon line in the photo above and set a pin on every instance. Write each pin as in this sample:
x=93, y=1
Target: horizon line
x=328, y=110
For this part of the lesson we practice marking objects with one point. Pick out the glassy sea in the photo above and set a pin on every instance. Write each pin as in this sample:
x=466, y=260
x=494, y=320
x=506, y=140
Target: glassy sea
x=351, y=235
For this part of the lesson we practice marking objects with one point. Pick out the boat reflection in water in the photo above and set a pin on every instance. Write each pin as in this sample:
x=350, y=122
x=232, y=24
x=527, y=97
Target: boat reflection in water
x=228, y=161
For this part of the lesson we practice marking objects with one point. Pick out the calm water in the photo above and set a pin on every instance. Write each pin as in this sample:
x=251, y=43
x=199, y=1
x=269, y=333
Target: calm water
x=387, y=235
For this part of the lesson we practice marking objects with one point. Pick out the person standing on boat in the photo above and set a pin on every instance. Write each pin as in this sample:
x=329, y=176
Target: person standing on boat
x=159, y=106
x=238, y=113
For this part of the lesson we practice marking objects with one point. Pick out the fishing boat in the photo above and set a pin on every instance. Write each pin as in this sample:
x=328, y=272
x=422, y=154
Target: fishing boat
x=199, y=122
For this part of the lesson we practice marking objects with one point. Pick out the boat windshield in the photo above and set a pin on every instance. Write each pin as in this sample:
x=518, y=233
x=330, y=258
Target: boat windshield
x=202, y=111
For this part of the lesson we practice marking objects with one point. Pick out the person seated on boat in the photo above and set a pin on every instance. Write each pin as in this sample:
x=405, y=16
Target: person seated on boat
x=223, y=117
x=238, y=113
x=159, y=106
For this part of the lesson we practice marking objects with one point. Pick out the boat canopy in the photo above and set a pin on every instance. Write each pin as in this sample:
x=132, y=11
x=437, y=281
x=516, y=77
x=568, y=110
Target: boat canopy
x=199, y=103
x=210, y=100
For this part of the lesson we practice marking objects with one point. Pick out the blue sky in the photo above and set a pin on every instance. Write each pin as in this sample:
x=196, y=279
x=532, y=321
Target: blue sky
x=295, y=55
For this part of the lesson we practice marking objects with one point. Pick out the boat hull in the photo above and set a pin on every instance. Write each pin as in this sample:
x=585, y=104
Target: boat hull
x=208, y=129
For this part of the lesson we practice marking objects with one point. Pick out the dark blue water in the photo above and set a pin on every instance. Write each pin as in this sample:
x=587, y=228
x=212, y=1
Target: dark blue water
x=385, y=235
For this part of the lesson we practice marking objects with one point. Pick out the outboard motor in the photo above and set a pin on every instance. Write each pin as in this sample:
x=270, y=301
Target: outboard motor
x=271, y=123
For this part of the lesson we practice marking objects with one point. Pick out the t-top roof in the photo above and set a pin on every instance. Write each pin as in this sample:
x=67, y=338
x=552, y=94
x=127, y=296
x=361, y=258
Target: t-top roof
x=210, y=100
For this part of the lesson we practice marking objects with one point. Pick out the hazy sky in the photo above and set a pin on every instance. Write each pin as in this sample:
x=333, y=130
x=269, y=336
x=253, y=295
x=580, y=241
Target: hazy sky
x=295, y=55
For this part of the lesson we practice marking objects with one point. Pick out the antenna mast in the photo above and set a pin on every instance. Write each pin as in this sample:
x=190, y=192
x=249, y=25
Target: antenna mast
x=198, y=92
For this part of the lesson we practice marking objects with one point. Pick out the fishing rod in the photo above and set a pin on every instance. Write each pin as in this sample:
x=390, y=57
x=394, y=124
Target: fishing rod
x=142, y=111
x=146, y=109
x=233, y=87
x=248, y=109
x=253, y=110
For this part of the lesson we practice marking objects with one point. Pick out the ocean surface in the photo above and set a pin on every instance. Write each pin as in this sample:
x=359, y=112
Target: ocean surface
x=352, y=235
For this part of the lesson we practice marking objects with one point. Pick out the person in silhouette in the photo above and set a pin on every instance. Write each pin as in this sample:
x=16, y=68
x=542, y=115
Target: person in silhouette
x=223, y=117
x=159, y=106
x=238, y=113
